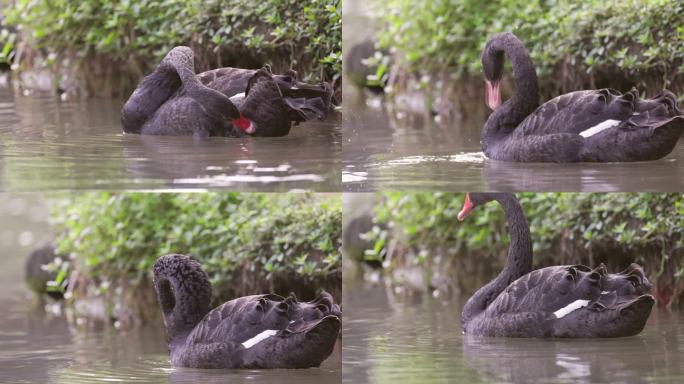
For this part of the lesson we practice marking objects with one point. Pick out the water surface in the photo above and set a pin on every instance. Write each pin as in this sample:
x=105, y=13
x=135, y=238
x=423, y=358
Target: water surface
x=47, y=144
x=410, y=151
x=39, y=344
x=392, y=339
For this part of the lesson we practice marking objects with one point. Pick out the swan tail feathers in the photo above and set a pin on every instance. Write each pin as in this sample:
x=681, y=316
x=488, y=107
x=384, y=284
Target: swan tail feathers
x=642, y=137
x=296, y=349
x=310, y=104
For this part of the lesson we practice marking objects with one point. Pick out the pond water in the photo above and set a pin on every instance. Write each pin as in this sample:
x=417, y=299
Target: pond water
x=41, y=346
x=388, y=339
x=48, y=144
x=405, y=151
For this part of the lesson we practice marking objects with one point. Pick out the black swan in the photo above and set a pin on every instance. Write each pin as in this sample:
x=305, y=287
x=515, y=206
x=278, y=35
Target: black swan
x=173, y=100
x=559, y=301
x=261, y=331
x=597, y=125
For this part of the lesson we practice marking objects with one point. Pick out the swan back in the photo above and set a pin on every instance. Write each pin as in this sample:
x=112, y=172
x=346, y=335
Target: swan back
x=259, y=331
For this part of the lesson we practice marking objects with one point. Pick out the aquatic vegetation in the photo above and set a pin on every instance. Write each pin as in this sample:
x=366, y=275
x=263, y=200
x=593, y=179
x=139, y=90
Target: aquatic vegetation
x=247, y=243
x=113, y=43
x=567, y=228
x=574, y=44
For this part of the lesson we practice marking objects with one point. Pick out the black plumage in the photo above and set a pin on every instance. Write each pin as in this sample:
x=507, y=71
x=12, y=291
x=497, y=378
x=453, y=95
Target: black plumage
x=559, y=301
x=298, y=334
x=557, y=131
x=173, y=100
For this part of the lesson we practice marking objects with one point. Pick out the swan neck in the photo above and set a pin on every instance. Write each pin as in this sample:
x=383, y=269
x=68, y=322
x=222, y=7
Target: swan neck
x=526, y=94
x=525, y=97
x=184, y=294
x=518, y=261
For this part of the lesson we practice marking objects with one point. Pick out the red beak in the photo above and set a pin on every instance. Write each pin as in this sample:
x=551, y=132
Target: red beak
x=493, y=94
x=467, y=207
x=244, y=124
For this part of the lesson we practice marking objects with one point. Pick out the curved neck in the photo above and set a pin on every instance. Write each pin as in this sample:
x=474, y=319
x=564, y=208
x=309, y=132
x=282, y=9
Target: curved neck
x=184, y=294
x=525, y=97
x=213, y=102
x=518, y=261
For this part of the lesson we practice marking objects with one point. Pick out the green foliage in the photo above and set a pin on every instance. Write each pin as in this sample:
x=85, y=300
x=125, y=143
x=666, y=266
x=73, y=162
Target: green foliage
x=642, y=41
x=135, y=35
x=263, y=236
x=7, y=39
x=615, y=228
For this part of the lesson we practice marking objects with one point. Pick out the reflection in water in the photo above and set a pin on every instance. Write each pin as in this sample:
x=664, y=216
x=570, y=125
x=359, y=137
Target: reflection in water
x=391, y=339
x=40, y=346
x=381, y=151
x=49, y=145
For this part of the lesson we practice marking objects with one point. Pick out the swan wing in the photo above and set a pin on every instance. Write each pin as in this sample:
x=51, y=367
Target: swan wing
x=263, y=331
x=602, y=125
x=229, y=81
x=312, y=104
x=579, y=111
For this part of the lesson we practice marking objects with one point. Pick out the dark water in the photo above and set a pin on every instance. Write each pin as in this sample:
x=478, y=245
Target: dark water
x=39, y=345
x=48, y=144
x=397, y=340
x=412, y=152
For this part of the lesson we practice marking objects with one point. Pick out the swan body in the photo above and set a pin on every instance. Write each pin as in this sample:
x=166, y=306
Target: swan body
x=173, y=100
x=568, y=301
x=594, y=125
x=259, y=331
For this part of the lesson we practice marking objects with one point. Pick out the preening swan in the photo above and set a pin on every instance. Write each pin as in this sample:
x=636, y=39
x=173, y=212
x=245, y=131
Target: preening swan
x=260, y=331
x=173, y=100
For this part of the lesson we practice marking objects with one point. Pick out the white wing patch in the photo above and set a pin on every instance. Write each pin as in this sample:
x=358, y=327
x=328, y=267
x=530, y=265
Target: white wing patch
x=600, y=127
x=577, y=304
x=259, y=338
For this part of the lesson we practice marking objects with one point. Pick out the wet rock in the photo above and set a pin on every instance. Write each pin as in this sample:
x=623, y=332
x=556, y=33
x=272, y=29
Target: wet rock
x=37, y=276
x=357, y=67
x=352, y=241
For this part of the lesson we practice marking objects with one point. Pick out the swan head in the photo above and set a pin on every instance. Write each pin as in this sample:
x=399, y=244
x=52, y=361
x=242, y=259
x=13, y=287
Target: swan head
x=493, y=64
x=263, y=111
x=476, y=199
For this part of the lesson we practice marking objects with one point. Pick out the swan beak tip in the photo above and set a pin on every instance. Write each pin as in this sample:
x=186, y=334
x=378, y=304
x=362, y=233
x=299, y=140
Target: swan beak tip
x=467, y=207
x=493, y=98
